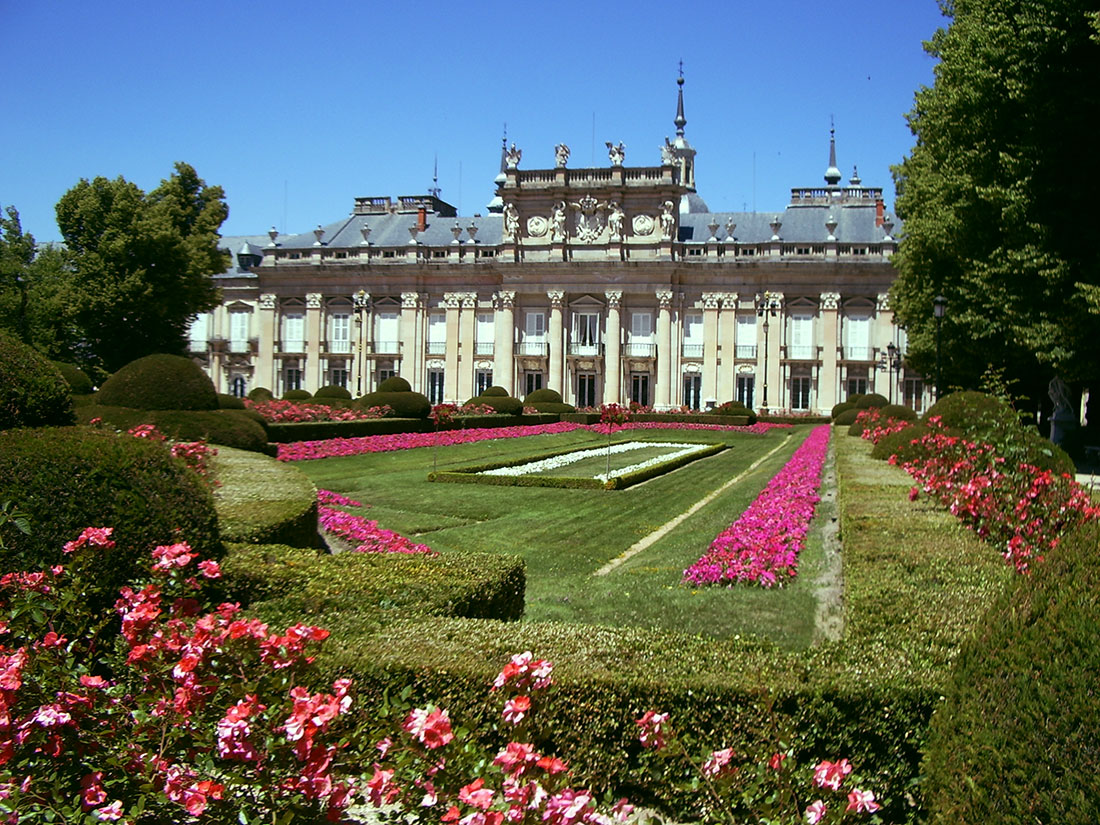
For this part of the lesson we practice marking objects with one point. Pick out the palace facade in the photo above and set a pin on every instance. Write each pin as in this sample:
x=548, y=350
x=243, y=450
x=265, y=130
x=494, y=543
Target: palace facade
x=609, y=284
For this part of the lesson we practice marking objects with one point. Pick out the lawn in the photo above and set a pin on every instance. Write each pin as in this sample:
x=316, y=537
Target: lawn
x=566, y=535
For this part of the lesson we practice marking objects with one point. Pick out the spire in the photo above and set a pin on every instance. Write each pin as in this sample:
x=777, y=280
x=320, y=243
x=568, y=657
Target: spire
x=504, y=150
x=832, y=174
x=680, y=121
x=435, y=190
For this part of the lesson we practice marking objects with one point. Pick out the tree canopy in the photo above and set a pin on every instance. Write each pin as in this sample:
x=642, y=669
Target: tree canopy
x=140, y=263
x=996, y=196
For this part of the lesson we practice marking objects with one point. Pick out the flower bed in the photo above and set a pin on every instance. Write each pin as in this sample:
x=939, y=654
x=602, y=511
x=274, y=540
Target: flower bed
x=762, y=546
x=363, y=534
x=285, y=412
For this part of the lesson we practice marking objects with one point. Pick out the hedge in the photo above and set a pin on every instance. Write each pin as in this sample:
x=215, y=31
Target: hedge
x=159, y=382
x=322, y=430
x=333, y=392
x=263, y=501
x=230, y=428
x=78, y=380
x=33, y=392
x=502, y=404
x=403, y=404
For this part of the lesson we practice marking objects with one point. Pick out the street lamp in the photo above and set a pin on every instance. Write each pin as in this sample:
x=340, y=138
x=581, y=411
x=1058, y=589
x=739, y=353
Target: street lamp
x=765, y=307
x=361, y=300
x=893, y=363
x=939, y=304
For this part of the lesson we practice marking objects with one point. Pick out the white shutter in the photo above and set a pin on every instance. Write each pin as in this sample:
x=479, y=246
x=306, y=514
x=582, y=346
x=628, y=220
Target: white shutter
x=802, y=327
x=437, y=328
x=485, y=328
x=641, y=327
x=536, y=326
x=385, y=328
x=859, y=338
x=294, y=332
x=340, y=333
x=693, y=329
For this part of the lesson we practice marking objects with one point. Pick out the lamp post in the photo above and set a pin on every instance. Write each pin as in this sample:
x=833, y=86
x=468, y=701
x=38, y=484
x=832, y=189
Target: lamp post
x=939, y=304
x=361, y=299
x=765, y=308
x=893, y=363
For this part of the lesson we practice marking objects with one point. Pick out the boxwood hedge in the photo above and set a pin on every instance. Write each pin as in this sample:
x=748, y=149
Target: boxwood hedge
x=264, y=501
x=159, y=382
x=242, y=429
x=33, y=392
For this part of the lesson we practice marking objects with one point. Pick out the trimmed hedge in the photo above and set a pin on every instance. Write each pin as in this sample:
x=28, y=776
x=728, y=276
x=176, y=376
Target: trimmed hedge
x=159, y=382
x=404, y=404
x=333, y=391
x=847, y=418
x=229, y=428
x=899, y=412
x=230, y=402
x=264, y=501
x=395, y=384
x=503, y=404
x=285, y=433
x=872, y=399
x=500, y=392
x=972, y=411
x=297, y=395
x=1016, y=739
x=901, y=444
x=33, y=392
x=261, y=394
x=541, y=397
x=285, y=585
x=78, y=380
x=843, y=406
x=795, y=419
x=69, y=478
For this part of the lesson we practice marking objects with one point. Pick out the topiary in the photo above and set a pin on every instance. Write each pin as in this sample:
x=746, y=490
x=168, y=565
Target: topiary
x=78, y=380
x=297, y=395
x=243, y=429
x=847, y=418
x=229, y=402
x=538, y=397
x=160, y=382
x=900, y=444
x=69, y=478
x=333, y=391
x=972, y=412
x=403, y=404
x=843, y=406
x=898, y=412
x=1014, y=741
x=261, y=394
x=500, y=392
x=550, y=407
x=872, y=399
x=854, y=397
x=32, y=391
x=395, y=384
x=503, y=404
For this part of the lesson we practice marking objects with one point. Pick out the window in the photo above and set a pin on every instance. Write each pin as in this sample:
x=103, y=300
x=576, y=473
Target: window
x=693, y=335
x=640, y=344
x=914, y=394
x=858, y=330
x=693, y=389
x=294, y=332
x=802, y=340
x=639, y=388
x=238, y=386
x=338, y=377
x=800, y=392
x=483, y=379
x=857, y=386
x=437, y=333
x=339, y=332
x=586, y=333
x=532, y=381
x=484, y=334
x=199, y=331
x=292, y=379
x=534, y=334
x=746, y=337
x=238, y=331
x=435, y=386
x=586, y=389
x=746, y=390
x=386, y=334
x=385, y=373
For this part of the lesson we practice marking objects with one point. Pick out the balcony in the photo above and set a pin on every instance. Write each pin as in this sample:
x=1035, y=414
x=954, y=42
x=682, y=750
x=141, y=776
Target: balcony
x=483, y=348
x=639, y=350
x=858, y=354
x=296, y=346
x=437, y=348
x=339, y=347
x=385, y=347
x=800, y=353
x=744, y=351
x=586, y=350
x=693, y=350
x=533, y=348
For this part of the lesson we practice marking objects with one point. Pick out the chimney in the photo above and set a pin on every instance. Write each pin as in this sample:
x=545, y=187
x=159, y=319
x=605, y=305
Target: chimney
x=880, y=208
x=422, y=218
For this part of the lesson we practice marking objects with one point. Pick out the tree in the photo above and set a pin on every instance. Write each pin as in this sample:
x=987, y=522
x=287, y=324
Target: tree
x=141, y=264
x=16, y=255
x=996, y=196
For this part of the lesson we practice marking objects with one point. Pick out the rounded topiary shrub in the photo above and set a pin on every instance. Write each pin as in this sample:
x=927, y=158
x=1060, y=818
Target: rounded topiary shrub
x=847, y=418
x=229, y=402
x=395, y=384
x=550, y=407
x=500, y=392
x=261, y=394
x=297, y=395
x=537, y=397
x=901, y=444
x=898, y=412
x=32, y=391
x=78, y=380
x=843, y=406
x=69, y=478
x=972, y=411
x=159, y=382
x=872, y=399
x=503, y=404
x=404, y=404
x=333, y=391
x=1015, y=740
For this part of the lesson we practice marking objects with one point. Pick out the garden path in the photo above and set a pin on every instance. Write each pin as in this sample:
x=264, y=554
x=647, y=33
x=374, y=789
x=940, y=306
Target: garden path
x=648, y=541
x=829, y=584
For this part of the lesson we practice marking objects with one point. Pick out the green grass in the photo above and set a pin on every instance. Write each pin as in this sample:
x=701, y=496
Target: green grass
x=592, y=466
x=565, y=535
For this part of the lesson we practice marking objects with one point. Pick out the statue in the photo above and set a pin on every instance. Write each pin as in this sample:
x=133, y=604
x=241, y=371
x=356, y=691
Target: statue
x=668, y=221
x=561, y=155
x=512, y=157
x=616, y=154
x=589, y=219
x=615, y=221
x=557, y=223
x=668, y=158
x=511, y=222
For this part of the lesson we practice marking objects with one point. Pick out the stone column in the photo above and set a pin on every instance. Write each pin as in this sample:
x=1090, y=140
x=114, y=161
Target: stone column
x=467, y=330
x=727, y=332
x=663, y=389
x=612, y=361
x=312, y=371
x=828, y=382
x=504, y=365
x=557, y=342
x=409, y=365
x=452, y=301
x=710, y=346
x=264, y=376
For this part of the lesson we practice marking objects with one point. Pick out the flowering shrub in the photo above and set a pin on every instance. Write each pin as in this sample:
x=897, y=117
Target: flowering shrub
x=1018, y=507
x=876, y=426
x=284, y=412
x=364, y=534
x=195, y=454
x=477, y=409
x=443, y=415
x=613, y=417
x=180, y=714
x=762, y=546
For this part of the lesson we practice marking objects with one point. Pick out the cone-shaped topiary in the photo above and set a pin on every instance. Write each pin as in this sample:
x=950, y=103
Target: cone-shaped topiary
x=33, y=392
x=159, y=382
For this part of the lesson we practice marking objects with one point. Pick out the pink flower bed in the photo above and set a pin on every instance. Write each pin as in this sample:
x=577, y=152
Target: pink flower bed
x=286, y=412
x=329, y=448
x=363, y=533
x=762, y=546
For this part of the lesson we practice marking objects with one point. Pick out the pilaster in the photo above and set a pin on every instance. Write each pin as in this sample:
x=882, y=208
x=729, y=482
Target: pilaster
x=265, y=358
x=467, y=349
x=727, y=332
x=711, y=302
x=829, y=380
x=504, y=365
x=312, y=371
x=664, y=350
x=409, y=365
x=557, y=361
x=612, y=362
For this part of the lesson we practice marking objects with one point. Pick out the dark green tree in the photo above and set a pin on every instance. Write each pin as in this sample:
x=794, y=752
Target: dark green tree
x=996, y=196
x=16, y=256
x=141, y=263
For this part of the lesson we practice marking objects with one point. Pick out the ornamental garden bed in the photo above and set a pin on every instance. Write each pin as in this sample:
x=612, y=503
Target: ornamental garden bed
x=613, y=467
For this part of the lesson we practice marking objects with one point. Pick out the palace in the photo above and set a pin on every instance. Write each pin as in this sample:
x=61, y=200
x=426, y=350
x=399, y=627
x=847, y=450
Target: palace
x=609, y=284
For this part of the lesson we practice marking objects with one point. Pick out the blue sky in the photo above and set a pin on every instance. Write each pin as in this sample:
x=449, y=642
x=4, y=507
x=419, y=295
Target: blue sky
x=295, y=109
